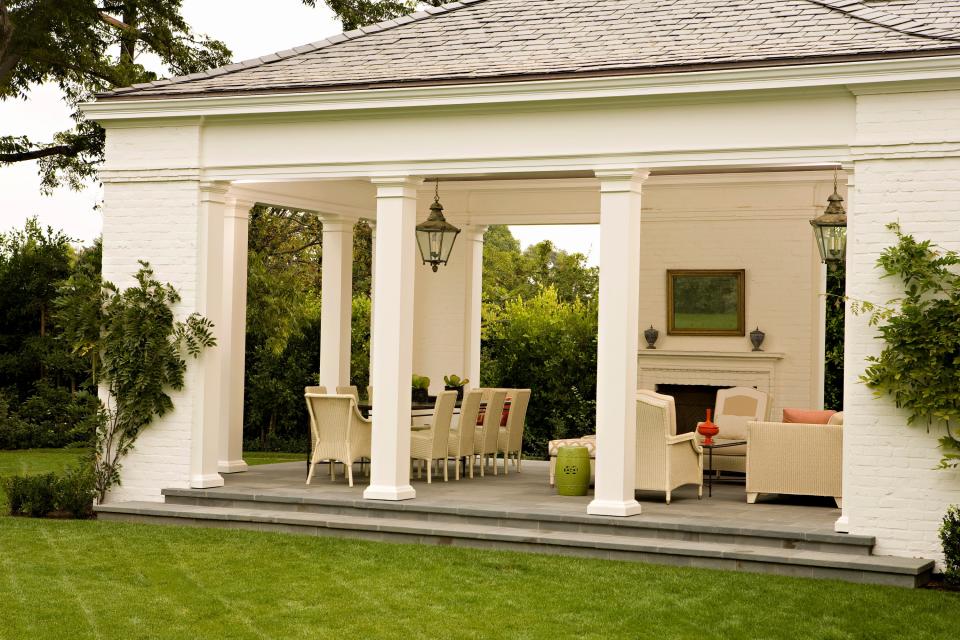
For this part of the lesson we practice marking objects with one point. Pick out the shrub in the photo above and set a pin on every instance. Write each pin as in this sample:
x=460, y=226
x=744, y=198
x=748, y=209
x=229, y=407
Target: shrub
x=33, y=496
x=950, y=537
x=50, y=418
x=549, y=346
x=75, y=491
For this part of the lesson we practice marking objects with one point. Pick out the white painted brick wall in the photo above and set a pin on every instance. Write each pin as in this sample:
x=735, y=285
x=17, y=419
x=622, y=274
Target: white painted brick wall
x=156, y=222
x=892, y=490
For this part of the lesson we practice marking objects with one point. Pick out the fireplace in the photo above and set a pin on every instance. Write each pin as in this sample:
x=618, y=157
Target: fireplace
x=691, y=401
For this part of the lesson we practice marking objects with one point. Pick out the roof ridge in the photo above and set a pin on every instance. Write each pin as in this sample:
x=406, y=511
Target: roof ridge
x=888, y=20
x=345, y=36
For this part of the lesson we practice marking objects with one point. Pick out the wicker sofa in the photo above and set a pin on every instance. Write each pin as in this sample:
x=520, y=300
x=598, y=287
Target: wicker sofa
x=795, y=458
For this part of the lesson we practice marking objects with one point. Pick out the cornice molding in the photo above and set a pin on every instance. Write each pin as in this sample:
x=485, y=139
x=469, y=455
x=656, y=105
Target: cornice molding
x=845, y=75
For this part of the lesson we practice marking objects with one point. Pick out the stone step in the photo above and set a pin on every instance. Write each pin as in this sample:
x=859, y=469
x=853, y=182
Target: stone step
x=794, y=562
x=646, y=527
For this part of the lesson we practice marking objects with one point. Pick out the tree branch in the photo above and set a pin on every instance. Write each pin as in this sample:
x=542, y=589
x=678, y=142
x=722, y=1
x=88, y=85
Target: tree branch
x=55, y=150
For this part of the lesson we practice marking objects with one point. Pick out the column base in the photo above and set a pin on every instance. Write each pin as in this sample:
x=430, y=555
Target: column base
x=210, y=481
x=618, y=508
x=387, y=492
x=231, y=466
x=842, y=525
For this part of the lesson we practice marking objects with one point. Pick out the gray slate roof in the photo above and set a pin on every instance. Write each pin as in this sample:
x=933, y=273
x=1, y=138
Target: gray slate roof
x=496, y=40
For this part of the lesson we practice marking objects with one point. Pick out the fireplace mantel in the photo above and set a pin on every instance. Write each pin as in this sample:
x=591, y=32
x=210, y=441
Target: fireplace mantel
x=729, y=355
x=712, y=368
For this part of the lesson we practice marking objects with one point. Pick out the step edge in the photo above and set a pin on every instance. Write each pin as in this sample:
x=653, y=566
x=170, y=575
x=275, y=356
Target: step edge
x=896, y=565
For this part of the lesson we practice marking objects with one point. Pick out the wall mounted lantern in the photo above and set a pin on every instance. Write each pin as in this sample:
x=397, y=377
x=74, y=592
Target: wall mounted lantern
x=435, y=236
x=830, y=229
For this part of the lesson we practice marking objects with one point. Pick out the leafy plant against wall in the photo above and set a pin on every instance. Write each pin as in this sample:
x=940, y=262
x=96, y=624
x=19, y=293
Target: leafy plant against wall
x=141, y=348
x=919, y=366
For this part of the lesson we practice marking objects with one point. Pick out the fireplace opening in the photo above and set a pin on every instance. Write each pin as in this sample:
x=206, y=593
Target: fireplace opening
x=692, y=402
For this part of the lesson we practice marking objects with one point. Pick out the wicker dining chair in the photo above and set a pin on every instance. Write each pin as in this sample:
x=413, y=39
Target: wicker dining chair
x=510, y=437
x=485, y=438
x=460, y=444
x=340, y=433
x=431, y=444
x=349, y=390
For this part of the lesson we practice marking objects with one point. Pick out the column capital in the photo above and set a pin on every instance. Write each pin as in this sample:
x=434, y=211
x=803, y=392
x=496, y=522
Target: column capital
x=395, y=185
x=621, y=179
x=238, y=207
x=336, y=224
x=474, y=232
x=214, y=191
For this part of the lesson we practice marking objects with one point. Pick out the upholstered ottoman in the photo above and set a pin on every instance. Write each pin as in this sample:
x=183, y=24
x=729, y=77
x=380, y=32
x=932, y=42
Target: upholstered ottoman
x=590, y=442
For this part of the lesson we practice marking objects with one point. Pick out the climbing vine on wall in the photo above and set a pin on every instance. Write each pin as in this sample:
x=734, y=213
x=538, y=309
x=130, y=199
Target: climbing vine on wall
x=919, y=366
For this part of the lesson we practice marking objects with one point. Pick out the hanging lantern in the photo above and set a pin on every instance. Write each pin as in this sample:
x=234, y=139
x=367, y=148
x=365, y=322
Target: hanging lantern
x=435, y=236
x=830, y=229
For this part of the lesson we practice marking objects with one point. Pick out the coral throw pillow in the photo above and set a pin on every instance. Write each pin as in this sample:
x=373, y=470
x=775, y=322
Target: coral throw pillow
x=482, y=414
x=807, y=416
x=505, y=414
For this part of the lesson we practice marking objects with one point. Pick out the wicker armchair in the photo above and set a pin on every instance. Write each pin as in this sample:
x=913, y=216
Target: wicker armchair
x=510, y=437
x=460, y=443
x=796, y=459
x=735, y=408
x=665, y=460
x=340, y=433
x=431, y=444
x=485, y=436
x=349, y=390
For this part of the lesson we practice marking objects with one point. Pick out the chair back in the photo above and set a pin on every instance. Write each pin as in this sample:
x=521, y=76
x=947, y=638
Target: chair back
x=738, y=406
x=330, y=416
x=671, y=407
x=517, y=418
x=442, y=417
x=369, y=394
x=350, y=390
x=655, y=422
x=467, y=432
x=487, y=443
x=319, y=390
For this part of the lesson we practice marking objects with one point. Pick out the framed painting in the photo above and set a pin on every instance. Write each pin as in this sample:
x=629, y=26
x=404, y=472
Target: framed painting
x=706, y=302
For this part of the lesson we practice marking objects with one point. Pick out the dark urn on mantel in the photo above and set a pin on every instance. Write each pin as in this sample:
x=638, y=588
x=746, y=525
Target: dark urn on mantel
x=756, y=338
x=651, y=335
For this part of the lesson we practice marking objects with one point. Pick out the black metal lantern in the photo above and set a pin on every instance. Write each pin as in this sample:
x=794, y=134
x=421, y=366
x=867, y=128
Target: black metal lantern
x=435, y=236
x=830, y=229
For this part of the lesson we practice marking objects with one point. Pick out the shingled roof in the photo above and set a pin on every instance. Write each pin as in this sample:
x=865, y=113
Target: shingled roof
x=500, y=40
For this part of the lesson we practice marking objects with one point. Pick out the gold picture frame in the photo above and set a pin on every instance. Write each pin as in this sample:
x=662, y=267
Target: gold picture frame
x=706, y=302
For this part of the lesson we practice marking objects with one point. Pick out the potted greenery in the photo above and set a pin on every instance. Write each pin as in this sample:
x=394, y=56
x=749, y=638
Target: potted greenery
x=421, y=387
x=454, y=382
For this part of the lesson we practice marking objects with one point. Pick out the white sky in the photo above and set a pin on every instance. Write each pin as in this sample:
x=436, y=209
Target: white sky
x=250, y=30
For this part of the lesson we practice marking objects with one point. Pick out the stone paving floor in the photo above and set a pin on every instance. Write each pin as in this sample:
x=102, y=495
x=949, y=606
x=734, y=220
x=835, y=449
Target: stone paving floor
x=529, y=492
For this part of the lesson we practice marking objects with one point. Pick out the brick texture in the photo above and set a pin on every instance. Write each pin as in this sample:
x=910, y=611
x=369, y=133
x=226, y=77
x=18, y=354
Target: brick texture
x=892, y=490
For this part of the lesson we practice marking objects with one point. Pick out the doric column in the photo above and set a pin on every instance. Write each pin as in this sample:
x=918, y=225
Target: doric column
x=473, y=246
x=233, y=333
x=617, y=342
x=335, y=313
x=207, y=407
x=392, y=336
x=853, y=326
x=373, y=286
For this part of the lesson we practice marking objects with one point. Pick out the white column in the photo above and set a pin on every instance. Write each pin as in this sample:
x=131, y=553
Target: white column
x=617, y=339
x=373, y=287
x=392, y=332
x=335, y=312
x=473, y=246
x=205, y=436
x=233, y=334
x=852, y=328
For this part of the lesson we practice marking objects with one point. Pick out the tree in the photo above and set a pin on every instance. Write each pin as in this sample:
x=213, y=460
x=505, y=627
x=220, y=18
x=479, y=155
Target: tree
x=85, y=47
x=356, y=13
x=90, y=46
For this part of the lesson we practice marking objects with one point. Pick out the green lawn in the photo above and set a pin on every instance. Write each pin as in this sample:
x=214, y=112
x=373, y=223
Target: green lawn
x=88, y=579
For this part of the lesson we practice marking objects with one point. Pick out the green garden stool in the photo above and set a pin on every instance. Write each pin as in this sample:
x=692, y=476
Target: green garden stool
x=573, y=471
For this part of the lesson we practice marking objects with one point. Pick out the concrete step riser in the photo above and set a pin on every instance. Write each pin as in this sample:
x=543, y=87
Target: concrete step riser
x=663, y=558
x=524, y=523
